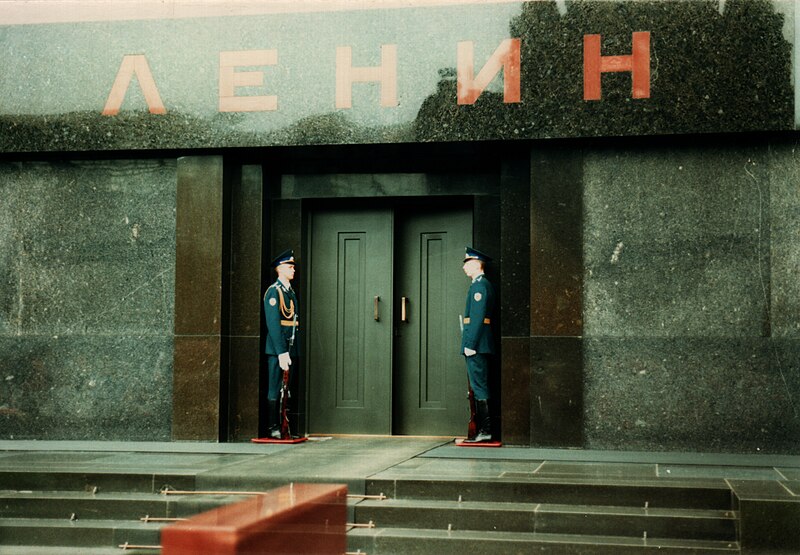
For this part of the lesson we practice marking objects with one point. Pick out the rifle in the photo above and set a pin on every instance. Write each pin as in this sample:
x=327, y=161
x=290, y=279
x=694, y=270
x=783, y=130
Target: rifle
x=286, y=433
x=472, y=427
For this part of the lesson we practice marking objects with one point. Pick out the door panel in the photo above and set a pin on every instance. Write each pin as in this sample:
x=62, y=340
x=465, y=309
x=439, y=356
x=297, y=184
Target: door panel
x=350, y=350
x=430, y=376
x=400, y=373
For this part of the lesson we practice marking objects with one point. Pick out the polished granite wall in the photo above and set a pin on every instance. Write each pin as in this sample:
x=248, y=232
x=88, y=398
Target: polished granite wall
x=661, y=313
x=691, y=297
x=87, y=263
x=714, y=67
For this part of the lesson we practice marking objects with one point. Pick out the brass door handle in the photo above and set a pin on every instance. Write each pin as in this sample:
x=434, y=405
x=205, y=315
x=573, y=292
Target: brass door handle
x=375, y=308
x=403, y=309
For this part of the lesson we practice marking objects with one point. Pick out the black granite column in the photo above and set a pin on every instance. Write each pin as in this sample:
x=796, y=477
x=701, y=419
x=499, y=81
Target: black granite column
x=242, y=300
x=286, y=232
x=515, y=301
x=556, y=289
x=198, y=299
x=485, y=225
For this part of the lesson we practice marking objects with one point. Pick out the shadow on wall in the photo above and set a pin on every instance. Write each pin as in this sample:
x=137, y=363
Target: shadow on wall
x=710, y=72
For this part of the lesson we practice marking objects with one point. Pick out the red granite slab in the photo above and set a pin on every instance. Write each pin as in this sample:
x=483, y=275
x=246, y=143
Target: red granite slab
x=298, y=518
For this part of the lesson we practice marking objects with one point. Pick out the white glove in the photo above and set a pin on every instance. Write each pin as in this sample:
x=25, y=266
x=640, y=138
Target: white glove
x=284, y=361
x=469, y=352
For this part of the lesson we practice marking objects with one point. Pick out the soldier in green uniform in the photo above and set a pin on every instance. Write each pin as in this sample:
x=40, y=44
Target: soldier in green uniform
x=280, y=311
x=477, y=343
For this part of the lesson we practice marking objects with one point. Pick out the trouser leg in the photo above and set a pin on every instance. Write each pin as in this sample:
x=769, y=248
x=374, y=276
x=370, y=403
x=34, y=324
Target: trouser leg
x=478, y=372
x=274, y=377
x=273, y=395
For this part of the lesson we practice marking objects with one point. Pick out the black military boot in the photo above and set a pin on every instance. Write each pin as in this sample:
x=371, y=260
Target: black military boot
x=483, y=422
x=273, y=426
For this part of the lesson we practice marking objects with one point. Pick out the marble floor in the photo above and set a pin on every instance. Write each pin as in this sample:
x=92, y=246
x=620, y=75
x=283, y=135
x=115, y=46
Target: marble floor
x=352, y=460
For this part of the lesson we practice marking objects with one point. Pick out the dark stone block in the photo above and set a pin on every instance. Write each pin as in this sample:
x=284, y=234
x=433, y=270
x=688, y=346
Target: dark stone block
x=556, y=243
x=245, y=394
x=245, y=253
x=241, y=302
x=694, y=394
x=196, y=388
x=198, y=299
x=86, y=300
x=689, y=293
x=515, y=232
x=784, y=367
x=784, y=221
x=199, y=246
x=769, y=526
x=86, y=387
x=556, y=391
x=516, y=391
x=688, y=257
x=89, y=247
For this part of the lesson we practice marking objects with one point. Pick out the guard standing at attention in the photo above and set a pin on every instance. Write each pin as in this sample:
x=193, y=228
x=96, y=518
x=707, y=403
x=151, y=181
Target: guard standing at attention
x=477, y=343
x=280, y=311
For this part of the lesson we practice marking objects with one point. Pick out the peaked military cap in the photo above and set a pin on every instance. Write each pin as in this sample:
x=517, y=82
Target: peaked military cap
x=286, y=257
x=474, y=254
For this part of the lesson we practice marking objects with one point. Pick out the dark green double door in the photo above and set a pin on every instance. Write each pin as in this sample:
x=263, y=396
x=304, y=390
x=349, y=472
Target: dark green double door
x=385, y=292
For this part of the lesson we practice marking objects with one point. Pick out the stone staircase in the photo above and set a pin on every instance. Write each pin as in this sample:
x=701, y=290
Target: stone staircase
x=63, y=513
x=524, y=515
x=71, y=513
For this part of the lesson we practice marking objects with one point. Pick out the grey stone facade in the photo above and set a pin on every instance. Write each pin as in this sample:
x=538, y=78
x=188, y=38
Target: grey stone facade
x=689, y=342
x=87, y=297
x=647, y=248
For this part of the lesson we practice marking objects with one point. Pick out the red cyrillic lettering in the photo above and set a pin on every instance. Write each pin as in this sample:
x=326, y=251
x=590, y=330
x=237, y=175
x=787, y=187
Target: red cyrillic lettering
x=385, y=74
x=229, y=79
x=638, y=63
x=505, y=57
x=134, y=65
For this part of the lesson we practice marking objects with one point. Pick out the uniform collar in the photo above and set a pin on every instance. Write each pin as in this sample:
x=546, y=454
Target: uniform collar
x=478, y=277
x=282, y=286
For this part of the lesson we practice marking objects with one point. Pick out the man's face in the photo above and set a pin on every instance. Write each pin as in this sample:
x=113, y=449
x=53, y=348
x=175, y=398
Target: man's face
x=286, y=271
x=472, y=267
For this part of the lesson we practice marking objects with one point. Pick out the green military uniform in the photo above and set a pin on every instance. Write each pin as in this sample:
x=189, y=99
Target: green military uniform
x=478, y=334
x=280, y=310
x=477, y=344
x=280, y=313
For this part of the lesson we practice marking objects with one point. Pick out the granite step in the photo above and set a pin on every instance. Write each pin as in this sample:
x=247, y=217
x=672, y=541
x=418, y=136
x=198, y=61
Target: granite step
x=689, y=494
x=409, y=541
x=699, y=524
x=32, y=521
x=76, y=533
x=61, y=550
x=106, y=506
x=111, y=481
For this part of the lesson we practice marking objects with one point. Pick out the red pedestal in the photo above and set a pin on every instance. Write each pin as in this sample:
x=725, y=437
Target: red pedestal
x=270, y=440
x=460, y=443
x=301, y=518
